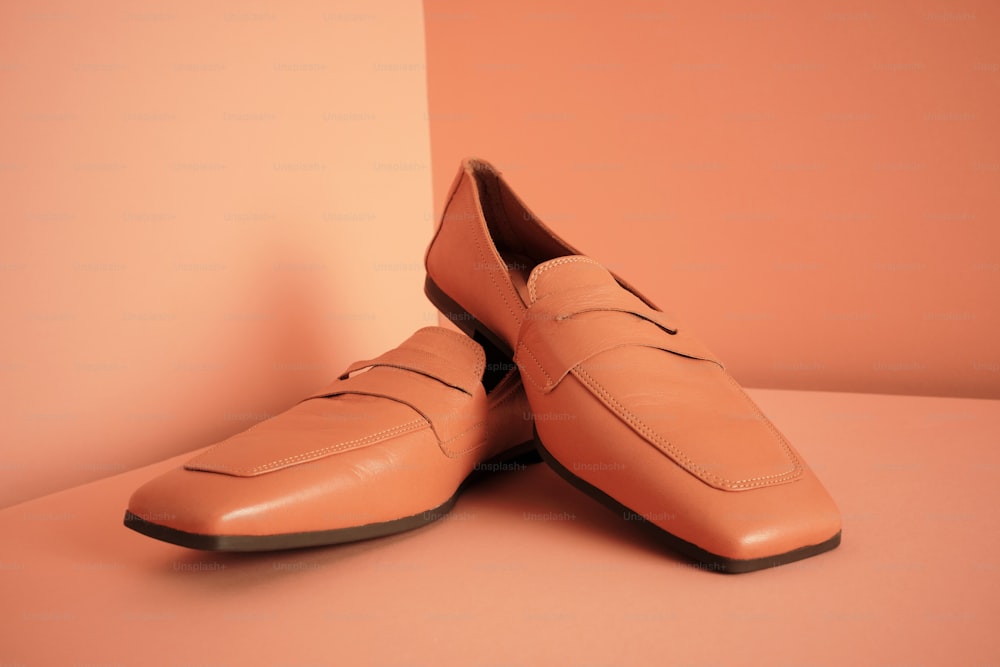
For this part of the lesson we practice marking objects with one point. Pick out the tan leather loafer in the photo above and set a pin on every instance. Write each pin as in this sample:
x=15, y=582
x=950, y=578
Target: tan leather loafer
x=384, y=448
x=629, y=405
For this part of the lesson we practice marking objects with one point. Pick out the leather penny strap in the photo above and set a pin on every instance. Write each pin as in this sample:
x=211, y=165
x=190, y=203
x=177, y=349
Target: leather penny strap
x=443, y=370
x=422, y=386
x=562, y=330
x=424, y=362
x=568, y=303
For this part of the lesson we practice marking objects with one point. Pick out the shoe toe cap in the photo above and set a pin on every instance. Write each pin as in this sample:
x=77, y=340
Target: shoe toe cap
x=772, y=523
x=191, y=502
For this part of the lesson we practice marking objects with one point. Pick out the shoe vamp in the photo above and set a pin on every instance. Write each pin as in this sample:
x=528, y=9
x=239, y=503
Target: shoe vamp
x=694, y=412
x=311, y=430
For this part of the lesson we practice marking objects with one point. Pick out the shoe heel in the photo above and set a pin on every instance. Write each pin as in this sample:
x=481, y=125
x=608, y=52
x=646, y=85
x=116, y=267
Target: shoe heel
x=460, y=317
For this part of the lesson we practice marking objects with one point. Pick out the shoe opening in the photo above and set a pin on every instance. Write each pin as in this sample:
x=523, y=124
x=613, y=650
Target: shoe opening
x=521, y=239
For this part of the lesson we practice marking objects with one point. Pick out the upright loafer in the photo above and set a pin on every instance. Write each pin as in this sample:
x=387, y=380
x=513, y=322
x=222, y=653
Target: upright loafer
x=630, y=406
x=384, y=448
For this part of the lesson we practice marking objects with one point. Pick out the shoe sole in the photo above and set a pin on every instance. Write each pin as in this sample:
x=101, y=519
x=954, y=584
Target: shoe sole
x=522, y=455
x=700, y=558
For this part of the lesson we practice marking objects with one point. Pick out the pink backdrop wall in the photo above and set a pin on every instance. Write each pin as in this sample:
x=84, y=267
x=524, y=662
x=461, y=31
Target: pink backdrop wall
x=207, y=211
x=813, y=187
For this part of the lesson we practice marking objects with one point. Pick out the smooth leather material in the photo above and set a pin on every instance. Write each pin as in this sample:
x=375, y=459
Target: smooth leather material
x=625, y=397
x=392, y=441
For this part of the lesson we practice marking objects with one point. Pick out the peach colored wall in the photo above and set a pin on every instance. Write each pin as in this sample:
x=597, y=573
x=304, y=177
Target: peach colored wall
x=207, y=211
x=813, y=187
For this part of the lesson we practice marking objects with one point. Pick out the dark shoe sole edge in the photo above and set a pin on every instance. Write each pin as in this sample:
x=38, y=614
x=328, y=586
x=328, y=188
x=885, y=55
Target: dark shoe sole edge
x=521, y=455
x=700, y=558
x=285, y=541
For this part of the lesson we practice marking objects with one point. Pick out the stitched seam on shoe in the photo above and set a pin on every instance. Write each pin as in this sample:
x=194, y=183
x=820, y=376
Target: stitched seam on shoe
x=646, y=432
x=796, y=463
x=532, y=292
x=317, y=453
x=455, y=454
x=680, y=457
x=548, y=378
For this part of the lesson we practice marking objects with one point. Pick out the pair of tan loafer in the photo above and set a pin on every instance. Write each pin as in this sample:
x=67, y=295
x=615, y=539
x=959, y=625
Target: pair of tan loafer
x=650, y=423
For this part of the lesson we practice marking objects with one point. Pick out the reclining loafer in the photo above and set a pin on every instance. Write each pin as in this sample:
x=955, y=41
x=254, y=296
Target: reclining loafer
x=628, y=405
x=384, y=448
